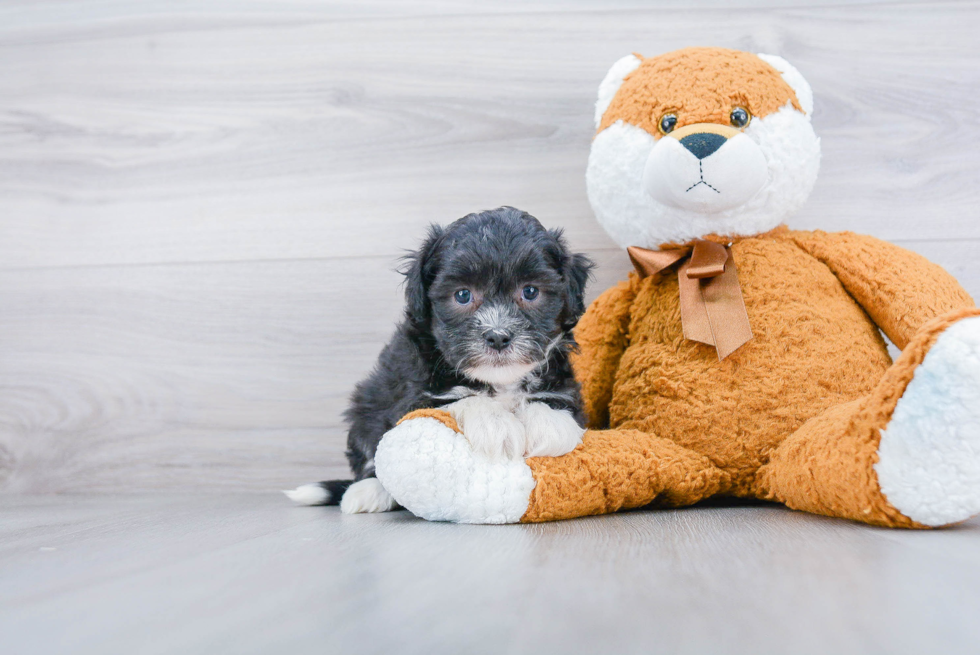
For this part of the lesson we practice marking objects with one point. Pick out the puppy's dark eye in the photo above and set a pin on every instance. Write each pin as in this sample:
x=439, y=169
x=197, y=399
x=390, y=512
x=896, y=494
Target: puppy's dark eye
x=740, y=117
x=463, y=296
x=529, y=293
x=667, y=123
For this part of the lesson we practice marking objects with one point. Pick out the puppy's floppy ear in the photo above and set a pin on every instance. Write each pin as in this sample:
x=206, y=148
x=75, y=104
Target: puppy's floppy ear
x=579, y=270
x=419, y=270
x=575, y=269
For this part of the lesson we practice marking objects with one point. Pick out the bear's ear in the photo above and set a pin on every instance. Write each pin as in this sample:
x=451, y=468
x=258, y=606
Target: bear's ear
x=795, y=80
x=610, y=85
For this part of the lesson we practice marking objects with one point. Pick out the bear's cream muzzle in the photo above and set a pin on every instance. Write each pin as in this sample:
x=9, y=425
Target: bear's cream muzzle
x=705, y=167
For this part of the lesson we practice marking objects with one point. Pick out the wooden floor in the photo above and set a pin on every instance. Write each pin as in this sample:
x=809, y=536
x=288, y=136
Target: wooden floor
x=201, y=209
x=250, y=574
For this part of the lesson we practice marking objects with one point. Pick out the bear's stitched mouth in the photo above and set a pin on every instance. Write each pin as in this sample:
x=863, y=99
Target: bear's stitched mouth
x=701, y=181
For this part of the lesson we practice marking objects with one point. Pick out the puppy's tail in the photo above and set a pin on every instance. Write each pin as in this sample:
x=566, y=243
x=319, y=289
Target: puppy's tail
x=328, y=492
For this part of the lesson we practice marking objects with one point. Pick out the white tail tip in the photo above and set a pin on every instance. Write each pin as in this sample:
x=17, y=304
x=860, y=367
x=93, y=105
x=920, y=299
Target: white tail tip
x=308, y=494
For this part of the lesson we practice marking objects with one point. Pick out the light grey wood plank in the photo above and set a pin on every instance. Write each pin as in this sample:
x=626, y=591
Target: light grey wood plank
x=227, y=374
x=224, y=375
x=218, y=134
x=250, y=574
x=206, y=376
x=28, y=14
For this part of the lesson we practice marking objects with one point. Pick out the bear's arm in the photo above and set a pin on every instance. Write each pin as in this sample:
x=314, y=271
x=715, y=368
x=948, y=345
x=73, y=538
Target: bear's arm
x=602, y=335
x=899, y=290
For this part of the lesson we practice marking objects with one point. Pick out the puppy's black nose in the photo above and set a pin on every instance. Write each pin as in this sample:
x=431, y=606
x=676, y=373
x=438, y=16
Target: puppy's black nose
x=702, y=144
x=497, y=339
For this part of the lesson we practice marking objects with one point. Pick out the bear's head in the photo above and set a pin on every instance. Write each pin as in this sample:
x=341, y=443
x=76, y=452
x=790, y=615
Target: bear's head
x=699, y=142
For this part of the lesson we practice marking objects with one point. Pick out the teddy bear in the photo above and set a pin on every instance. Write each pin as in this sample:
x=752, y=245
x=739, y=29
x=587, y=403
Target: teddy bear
x=740, y=358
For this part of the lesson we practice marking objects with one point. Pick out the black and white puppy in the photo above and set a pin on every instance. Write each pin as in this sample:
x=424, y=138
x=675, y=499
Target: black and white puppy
x=491, y=303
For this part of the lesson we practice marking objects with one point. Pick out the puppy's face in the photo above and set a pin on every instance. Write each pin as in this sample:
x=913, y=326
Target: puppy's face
x=496, y=291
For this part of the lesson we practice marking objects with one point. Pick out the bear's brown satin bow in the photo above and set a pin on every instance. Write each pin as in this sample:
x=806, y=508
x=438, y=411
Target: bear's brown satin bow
x=712, y=308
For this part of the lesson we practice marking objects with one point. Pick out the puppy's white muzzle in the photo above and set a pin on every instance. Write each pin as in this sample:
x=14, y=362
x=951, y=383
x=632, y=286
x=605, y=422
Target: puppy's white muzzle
x=693, y=172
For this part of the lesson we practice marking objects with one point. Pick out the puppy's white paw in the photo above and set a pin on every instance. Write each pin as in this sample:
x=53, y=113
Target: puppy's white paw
x=550, y=432
x=367, y=496
x=491, y=429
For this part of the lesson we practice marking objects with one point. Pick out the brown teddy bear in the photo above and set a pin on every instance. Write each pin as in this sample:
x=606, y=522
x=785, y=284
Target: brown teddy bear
x=741, y=358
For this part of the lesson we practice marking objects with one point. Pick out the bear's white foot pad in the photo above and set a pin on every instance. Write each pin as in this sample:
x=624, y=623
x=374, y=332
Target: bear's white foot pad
x=929, y=455
x=432, y=471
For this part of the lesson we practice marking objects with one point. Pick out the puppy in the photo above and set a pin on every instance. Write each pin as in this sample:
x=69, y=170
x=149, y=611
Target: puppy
x=491, y=303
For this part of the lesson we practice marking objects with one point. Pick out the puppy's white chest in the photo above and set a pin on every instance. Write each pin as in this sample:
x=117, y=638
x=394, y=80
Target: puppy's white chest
x=513, y=398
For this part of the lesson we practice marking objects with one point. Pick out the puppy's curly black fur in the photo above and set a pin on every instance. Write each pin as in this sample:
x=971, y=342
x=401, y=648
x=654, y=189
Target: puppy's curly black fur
x=524, y=292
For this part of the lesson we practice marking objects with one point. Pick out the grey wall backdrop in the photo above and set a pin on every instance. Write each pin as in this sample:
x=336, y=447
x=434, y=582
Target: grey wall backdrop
x=201, y=206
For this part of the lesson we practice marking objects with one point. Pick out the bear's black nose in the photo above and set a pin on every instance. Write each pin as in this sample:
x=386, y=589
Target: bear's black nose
x=497, y=339
x=703, y=144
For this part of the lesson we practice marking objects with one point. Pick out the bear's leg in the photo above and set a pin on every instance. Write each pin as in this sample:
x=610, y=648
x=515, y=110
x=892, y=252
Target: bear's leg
x=619, y=469
x=906, y=455
x=431, y=470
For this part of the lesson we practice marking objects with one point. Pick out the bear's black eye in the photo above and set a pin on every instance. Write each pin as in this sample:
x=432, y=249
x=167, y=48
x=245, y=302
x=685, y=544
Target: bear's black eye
x=529, y=293
x=463, y=296
x=740, y=117
x=667, y=123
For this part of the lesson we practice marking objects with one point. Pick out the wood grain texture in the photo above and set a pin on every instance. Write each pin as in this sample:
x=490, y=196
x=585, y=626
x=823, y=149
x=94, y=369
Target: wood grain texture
x=201, y=206
x=249, y=574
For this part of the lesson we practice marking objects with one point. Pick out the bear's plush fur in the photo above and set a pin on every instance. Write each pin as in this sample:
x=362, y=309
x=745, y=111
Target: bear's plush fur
x=810, y=411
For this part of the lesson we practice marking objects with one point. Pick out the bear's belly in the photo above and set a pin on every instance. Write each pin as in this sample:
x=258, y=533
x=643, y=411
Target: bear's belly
x=813, y=347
